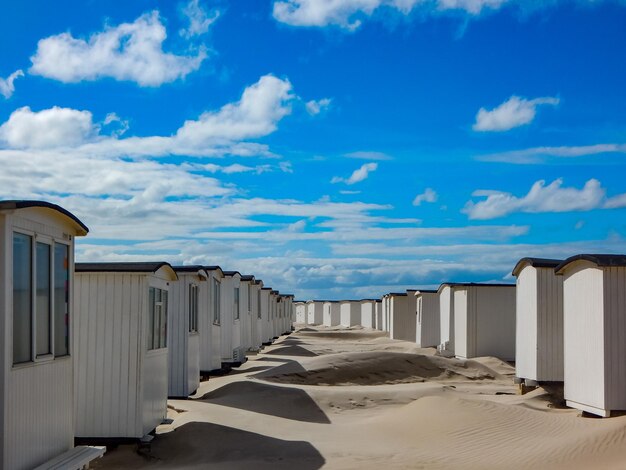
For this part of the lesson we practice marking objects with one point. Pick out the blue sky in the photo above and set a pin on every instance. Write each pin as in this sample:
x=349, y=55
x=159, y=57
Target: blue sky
x=335, y=149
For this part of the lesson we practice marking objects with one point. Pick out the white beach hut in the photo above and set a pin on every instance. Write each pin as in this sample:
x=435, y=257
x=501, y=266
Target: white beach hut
x=379, y=315
x=594, y=332
x=289, y=313
x=427, y=322
x=233, y=353
x=190, y=303
x=255, y=297
x=368, y=313
x=446, y=319
x=401, y=316
x=120, y=339
x=315, y=312
x=210, y=323
x=332, y=313
x=274, y=314
x=37, y=397
x=484, y=320
x=246, y=311
x=539, y=321
x=349, y=312
x=266, y=307
x=301, y=315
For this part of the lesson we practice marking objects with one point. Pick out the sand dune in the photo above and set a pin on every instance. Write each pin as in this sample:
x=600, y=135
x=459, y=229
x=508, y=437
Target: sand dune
x=348, y=399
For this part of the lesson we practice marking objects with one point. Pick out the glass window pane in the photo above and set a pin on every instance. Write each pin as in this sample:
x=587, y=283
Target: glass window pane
x=163, y=342
x=216, y=301
x=61, y=300
x=22, y=298
x=151, y=309
x=42, y=305
x=236, y=304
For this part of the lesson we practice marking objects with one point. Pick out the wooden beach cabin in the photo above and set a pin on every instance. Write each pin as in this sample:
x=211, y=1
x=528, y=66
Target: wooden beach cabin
x=315, y=312
x=190, y=303
x=246, y=311
x=255, y=296
x=210, y=323
x=332, y=313
x=368, y=313
x=484, y=320
x=594, y=332
x=233, y=353
x=379, y=315
x=427, y=322
x=539, y=321
x=446, y=319
x=274, y=314
x=266, y=331
x=401, y=316
x=37, y=397
x=120, y=343
x=349, y=313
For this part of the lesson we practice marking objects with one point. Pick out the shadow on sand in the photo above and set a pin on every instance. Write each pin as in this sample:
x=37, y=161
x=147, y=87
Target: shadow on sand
x=208, y=445
x=291, y=351
x=273, y=400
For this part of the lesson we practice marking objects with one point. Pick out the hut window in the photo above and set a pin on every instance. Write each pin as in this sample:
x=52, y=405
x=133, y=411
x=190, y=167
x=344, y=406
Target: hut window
x=258, y=305
x=193, y=308
x=249, y=301
x=61, y=300
x=157, y=318
x=43, y=298
x=236, y=304
x=22, y=298
x=216, y=302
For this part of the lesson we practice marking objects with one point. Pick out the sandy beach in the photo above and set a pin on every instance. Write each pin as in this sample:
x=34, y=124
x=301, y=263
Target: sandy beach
x=353, y=398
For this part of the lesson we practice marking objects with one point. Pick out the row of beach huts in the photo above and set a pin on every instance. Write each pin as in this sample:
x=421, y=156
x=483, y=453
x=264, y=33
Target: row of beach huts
x=92, y=351
x=564, y=321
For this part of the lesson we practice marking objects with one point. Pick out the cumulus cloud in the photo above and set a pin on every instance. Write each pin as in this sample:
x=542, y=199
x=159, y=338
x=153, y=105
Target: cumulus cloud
x=357, y=175
x=512, y=113
x=129, y=51
x=429, y=195
x=7, y=87
x=314, y=107
x=348, y=14
x=54, y=127
x=215, y=133
x=541, y=198
x=200, y=19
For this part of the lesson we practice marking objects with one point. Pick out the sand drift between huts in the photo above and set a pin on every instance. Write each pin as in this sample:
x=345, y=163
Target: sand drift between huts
x=353, y=398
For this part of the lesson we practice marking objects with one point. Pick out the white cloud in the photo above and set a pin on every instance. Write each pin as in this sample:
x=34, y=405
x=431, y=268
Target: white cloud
x=357, y=175
x=348, y=14
x=429, y=195
x=368, y=155
x=199, y=19
x=314, y=107
x=7, y=87
x=512, y=113
x=54, y=127
x=129, y=51
x=216, y=133
x=541, y=198
x=539, y=154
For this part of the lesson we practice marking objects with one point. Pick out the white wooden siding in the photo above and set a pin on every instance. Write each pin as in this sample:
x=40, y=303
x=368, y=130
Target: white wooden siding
x=402, y=318
x=379, y=316
x=332, y=314
x=315, y=313
x=427, y=321
x=301, y=314
x=446, y=312
x=350, y=313
x=368, y=314
x=526, y=329
x=210, y=336
x=584, y=335
x=615, y=337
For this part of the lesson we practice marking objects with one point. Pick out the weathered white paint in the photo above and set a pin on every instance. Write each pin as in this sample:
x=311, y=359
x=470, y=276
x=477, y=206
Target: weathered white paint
x=265, y=314
x=315, y=312
x=210, y=338
x=332, y=313
x=594, y=302
x=255, y=298
x=368, y=313
x=230, y=326
x=183, y=345
x=385, y=313
x=539, y=323
x=427, y=322
x=379, y=315
x=349, y=313
x=484, y=320
x=402, y=317
x=36, y=398
x=246, y=313
x=446, y=318
x=121, y=386
x=301, y=316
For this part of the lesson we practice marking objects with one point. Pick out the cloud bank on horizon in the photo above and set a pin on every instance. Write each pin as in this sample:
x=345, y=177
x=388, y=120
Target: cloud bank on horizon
x=184, y=133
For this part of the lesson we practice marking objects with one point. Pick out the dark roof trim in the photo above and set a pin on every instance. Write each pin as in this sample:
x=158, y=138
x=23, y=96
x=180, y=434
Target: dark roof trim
x=473, y=284
x=247, y=277
x=188, y=268
x=231, y=273
x=23, y=204
x=125, y=267
x=425, y=291
x=536, y=263
x=397, y=294
x=602, y=261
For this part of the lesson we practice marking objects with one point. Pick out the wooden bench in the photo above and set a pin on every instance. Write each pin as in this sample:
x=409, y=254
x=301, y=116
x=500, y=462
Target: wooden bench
x=77, y=458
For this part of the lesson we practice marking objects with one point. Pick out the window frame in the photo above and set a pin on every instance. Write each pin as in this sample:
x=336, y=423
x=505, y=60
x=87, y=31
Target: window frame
x=157, y=318
x=52, y=241
x=216, y=288
x=236, y=303
x=193, y=308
